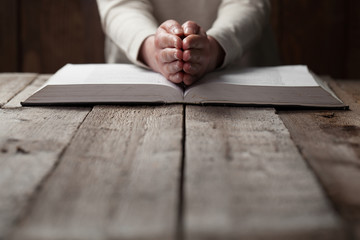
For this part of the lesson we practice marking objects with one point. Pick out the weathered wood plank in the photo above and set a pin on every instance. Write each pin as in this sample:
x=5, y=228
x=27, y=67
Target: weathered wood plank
x=13, y=83
x=117, y=180
x=330, y=141
x=245, y=179
x=351, y=89
x=58, y=32
x=15, y=102
x=353, y=39
x=9, y=36
x=31, y=141
x=275, y=19
x=324, y=32
x=357, y=231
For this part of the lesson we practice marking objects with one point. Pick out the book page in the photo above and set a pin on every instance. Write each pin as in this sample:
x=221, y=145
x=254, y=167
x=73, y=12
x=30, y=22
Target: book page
x=111, y=83
x=284, y=76
x=107, y=74
x=125, y=83
x=285, y=85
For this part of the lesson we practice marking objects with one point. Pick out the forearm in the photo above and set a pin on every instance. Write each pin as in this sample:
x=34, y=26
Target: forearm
x=128, y=23
x=238, y=25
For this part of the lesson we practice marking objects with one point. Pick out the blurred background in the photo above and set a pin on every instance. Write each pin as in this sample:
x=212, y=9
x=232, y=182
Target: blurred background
x=43, y=35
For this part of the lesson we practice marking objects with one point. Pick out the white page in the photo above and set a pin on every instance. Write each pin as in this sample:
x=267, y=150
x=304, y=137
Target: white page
x=100, y=83
x=284, y=76
x=107, y=74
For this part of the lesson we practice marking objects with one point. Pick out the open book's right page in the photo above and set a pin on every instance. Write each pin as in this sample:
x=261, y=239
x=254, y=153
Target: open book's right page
x=285, y=85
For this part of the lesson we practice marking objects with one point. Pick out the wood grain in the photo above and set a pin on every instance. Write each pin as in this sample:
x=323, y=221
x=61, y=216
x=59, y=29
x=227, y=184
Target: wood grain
x=117, y=180
x=353, y=39
x=313, y=33
x=93, y=38
x=31, y=141
x=13, y=83
x=330, y=141
x=245, y=179
x=15, y=102
x=58, y=32
x=9, y=39
x=275, y=19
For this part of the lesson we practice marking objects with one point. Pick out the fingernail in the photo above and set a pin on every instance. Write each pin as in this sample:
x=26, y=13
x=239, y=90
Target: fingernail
x=187, y=30
x=177, y=31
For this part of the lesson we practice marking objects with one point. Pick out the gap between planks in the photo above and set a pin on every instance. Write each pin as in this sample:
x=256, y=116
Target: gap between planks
x=181, y=193
x=118, y=179
x=15, y=102
x=31, y=141
x=183, y=166
x=13, y=83
x=246, y=179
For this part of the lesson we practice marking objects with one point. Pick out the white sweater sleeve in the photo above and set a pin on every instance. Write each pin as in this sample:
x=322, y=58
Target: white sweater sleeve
x=128, y=23
x=239, y=23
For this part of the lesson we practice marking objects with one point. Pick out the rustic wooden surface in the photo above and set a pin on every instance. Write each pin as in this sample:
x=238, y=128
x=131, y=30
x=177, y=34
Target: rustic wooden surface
x=31, y=141
x=330, y=141
x=27, y=91
x=174, y=172
x=117, y=179
x=11, y=84
x=246, y=179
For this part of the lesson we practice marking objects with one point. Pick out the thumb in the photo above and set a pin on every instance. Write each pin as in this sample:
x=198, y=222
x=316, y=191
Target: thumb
x=172, y=27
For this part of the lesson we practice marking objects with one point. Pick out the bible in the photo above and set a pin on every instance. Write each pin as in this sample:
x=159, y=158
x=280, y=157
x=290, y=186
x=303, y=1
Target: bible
x=81, y=84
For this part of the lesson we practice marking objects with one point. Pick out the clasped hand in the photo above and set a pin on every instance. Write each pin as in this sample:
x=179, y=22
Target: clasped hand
x=181, y=53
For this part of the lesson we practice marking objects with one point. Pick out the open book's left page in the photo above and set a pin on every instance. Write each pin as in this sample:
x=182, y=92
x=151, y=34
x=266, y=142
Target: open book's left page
x=105, y=83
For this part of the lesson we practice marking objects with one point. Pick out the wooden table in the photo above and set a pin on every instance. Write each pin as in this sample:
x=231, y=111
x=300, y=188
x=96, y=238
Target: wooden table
x=177, y=172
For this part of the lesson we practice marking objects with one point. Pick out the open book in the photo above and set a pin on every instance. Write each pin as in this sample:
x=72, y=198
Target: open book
x=125, y=83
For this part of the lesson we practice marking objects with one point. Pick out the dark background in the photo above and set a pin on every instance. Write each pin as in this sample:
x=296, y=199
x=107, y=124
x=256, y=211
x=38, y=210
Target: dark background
x=43, y=35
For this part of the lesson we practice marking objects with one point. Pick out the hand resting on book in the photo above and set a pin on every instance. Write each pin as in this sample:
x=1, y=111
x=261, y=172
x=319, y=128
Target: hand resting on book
x=181, y=53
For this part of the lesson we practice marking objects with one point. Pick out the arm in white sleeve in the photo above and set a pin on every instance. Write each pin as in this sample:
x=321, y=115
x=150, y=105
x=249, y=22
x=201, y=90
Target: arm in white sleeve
x=128, y=23
x=239, y=23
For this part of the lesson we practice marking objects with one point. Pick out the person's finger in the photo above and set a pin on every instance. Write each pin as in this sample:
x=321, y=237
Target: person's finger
x=177, y=77
x=173, y=67
x=202, y=32
x=190, y=27
x=194, y=41
x=193, y=56
x=189, y=79
x=173, y=27
x=168, y=55
x=166, y=40
x=191, y=68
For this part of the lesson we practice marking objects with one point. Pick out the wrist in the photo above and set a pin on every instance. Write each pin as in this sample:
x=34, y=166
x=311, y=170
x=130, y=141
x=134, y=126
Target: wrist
x=217, y=53
x=147, y=51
